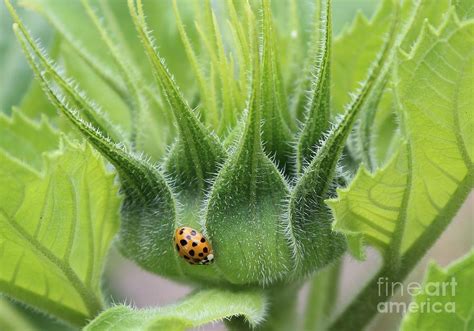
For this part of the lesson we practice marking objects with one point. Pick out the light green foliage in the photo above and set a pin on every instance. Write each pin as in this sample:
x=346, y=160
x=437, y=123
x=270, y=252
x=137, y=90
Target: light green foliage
x=395, y=206
x=26, y=140
x=188, y=313
x=403, y=207
x=464, y=9
x=56, y=266
x=230, y=117
x=455, y=301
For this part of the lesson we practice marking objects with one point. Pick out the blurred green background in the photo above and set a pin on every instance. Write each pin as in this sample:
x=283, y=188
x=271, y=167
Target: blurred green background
x=126, y=282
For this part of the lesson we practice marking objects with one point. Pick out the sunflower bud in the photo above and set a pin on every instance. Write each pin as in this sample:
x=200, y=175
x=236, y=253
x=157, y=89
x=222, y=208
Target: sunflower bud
x=216, y=212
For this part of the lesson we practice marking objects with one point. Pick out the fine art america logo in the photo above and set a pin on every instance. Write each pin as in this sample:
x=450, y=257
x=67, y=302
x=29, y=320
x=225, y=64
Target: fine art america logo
x=437, y=294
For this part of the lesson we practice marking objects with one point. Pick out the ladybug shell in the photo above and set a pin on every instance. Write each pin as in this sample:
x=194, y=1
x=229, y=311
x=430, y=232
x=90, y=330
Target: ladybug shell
x=193, y=246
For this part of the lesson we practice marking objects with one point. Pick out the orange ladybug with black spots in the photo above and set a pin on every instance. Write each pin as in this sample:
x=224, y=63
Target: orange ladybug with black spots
x=193, y=246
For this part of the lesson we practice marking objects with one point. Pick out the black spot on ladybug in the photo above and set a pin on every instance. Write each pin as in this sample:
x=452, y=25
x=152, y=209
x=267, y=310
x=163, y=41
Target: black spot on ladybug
x=203, y=240
x=177, y=247
x=195, y=244
x=193, y=232
x=186, y=257
x=201, y=254
x=181, y=232
x=188, y=237
x=205, y=250
x=191, y=252
x=183, y=242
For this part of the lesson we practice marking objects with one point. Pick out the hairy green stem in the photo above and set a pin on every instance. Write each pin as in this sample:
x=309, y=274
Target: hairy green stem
x=321, y=298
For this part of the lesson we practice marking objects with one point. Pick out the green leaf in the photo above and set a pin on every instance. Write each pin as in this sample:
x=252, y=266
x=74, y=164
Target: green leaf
x=432, y=11
x=431, y=173
x=245, y=207
x=26, y=140
x=448, y=290
x=318, y=108
x=464, y=9
x=55, y=230
x=376, y=130
x=201, y=308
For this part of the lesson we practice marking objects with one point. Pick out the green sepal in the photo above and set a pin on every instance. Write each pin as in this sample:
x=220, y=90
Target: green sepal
x=318, y=108
x=275, y=132
x=244, y=212
x=68, y=88
x=149, y=208
x=197, y=152
x=316, y=243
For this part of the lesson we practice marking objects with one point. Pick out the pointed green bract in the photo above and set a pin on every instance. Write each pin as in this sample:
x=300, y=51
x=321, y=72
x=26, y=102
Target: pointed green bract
x=364, y=39
x=69, y=90
x=88, y=60
x=149, y=207
x=448, y=292
x=136, y=99
x=244, y=212
x=310, y=219
x=275, y=132
x=376, y=127
x=197, y=153
x=226, y=91
x=210, y=104
x=55, y=230
x=404, y=199
x=318, y=107
x=189, y=313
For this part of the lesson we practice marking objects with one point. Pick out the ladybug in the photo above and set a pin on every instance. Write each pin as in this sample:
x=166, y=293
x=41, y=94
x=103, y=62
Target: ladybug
x=193, y=246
